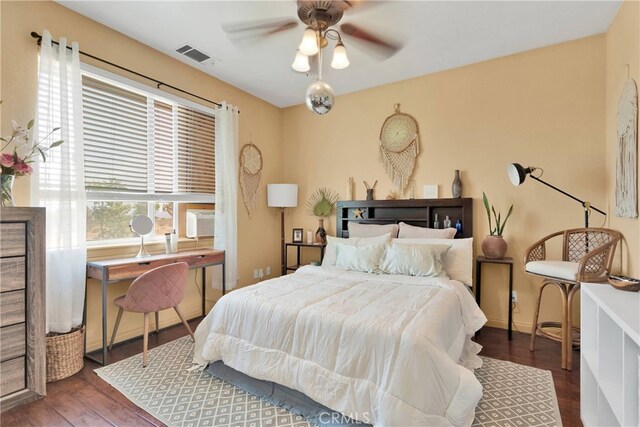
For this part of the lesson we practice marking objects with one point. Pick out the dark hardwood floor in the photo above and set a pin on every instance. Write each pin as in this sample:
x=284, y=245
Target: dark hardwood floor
x=85, y=400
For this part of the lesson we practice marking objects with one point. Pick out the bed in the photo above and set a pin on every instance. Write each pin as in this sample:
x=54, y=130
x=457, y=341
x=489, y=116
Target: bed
x=382, y=349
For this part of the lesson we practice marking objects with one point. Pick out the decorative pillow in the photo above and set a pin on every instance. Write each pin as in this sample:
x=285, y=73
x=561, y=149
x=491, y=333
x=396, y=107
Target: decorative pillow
x=330, y=251
x=415, y=260
x=459, y=259
x=412, y=232
x=372, y=230
x=359, y=258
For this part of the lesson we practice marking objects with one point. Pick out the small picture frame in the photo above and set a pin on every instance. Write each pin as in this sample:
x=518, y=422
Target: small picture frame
x=430, y=191
x=297, y=235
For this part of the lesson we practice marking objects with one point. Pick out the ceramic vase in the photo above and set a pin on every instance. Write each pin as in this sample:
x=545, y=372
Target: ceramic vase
x=321, y=233
x=494, y=247
x=6, y=190
x=456, y=186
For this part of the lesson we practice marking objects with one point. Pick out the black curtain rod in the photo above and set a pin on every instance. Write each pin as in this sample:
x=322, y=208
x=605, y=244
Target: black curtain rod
x=158, y=82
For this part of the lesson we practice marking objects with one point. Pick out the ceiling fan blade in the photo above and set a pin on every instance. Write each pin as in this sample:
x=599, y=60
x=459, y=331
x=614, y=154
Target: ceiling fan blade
x=357, y=5
x=286, y=26
x=266, y=26
x=386, y=48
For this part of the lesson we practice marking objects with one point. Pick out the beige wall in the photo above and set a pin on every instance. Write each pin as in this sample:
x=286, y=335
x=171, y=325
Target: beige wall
x=19, y=58
x=543, y=107
x=622, y=63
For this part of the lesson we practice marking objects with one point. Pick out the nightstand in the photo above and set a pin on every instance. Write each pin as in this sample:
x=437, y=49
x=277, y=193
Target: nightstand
x=299, y=247
x=505, y=261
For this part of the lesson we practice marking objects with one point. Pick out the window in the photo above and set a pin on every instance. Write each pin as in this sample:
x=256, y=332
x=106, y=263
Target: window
x=144, y=154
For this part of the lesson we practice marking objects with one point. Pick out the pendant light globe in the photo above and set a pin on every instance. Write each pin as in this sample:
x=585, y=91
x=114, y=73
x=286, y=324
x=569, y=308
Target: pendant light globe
x=340, y=60
x=301, y=63
x=309, y=44
x=319, y=98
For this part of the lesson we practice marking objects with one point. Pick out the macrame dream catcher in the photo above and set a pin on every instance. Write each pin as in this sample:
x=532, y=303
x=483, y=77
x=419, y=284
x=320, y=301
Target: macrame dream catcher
x=627, y=153
x=250, y=175
x=399, y=147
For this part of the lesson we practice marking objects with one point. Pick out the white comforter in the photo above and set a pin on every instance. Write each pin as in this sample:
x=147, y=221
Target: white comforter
x=386, y=350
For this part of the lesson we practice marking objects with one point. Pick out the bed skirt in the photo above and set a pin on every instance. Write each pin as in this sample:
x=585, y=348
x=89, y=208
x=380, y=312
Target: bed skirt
x=279, y=395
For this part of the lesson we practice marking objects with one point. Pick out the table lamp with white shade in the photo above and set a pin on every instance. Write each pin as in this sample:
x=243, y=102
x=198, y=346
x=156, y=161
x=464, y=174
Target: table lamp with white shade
x=282, y=196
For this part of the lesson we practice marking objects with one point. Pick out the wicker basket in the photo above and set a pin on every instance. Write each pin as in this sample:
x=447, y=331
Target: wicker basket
x=65, y=354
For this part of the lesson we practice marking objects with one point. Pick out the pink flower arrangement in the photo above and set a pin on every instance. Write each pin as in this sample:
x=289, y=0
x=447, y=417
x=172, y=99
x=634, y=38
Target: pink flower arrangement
x=7, y=160
x=24, y=149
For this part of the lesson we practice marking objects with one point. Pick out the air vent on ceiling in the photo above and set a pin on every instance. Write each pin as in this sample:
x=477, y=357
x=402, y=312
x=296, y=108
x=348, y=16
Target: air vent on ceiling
x=195, y=54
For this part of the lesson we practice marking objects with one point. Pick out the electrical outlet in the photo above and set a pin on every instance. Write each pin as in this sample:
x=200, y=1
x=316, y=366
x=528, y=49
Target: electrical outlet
x=268, y=270
x=514, y=296
x=255, y=274
x=260, y=273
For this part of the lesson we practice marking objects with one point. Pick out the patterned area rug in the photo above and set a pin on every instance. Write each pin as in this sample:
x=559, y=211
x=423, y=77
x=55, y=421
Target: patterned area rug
x=514, y=395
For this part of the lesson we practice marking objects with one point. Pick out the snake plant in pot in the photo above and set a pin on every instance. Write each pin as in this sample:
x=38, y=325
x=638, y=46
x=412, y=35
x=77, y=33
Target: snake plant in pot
x=493, y=245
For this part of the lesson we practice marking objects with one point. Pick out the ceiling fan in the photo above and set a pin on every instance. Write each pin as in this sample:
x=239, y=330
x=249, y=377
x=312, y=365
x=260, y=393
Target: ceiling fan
x=319, y=16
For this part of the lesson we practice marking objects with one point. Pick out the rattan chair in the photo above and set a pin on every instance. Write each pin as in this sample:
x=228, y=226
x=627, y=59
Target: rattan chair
x=587, y=254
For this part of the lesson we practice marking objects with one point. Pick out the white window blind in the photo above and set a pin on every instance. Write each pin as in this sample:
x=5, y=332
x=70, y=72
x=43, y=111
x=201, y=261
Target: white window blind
x=115, y=135
x=137, y=143
x=163, y=147
x=196, y=153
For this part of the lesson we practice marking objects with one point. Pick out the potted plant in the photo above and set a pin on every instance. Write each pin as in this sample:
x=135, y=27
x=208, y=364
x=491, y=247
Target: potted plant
x=493, y=245
x=321, y=204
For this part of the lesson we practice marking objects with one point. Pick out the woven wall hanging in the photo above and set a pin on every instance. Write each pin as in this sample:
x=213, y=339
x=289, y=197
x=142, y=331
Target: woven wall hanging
x=250, y=175
x=627, y=153
x=399, y=147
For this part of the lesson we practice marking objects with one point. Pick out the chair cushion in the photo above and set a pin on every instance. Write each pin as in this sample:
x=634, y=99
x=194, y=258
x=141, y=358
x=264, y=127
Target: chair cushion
x=558, y=269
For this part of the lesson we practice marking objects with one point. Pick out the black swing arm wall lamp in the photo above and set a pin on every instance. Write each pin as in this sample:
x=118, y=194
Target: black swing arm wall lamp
x=518, y=173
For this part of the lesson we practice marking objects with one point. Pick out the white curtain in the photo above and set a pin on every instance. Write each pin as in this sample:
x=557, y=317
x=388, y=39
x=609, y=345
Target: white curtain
x=58, y=183
x=226, y=218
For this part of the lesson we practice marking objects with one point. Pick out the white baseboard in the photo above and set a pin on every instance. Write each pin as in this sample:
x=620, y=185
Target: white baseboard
x=502, y=324
x=95, y=342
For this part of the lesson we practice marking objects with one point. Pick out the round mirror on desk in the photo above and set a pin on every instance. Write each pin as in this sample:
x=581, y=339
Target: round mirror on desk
x=141, y=225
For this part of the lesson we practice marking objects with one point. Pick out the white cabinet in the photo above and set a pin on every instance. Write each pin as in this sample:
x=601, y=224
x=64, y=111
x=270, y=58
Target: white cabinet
x=610, y=355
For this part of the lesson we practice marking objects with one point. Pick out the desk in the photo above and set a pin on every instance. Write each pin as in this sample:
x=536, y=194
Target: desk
x=298, y=246
x=505, y=261
x=118, y=270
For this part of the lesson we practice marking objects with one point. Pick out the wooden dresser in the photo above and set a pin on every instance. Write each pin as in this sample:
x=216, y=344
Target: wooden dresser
x=22, y=306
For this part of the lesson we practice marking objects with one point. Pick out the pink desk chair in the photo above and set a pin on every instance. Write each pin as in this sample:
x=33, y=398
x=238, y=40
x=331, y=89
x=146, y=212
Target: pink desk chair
x=155, y=290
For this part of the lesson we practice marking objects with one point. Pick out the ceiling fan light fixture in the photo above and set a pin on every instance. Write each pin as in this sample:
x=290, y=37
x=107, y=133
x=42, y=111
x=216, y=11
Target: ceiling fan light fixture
x=309, y=44
x=301, y=63
x=340, y=60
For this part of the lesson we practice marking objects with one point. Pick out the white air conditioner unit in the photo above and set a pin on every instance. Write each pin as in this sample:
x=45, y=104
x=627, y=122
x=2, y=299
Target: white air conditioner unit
x=200, y=223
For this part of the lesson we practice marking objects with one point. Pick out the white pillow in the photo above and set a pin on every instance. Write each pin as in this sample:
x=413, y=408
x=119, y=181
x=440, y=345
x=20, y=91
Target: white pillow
x=330, y=252
x=359, y=258
x=372, y=230
x=459, y=259
x=415, y=260
x=408, y=231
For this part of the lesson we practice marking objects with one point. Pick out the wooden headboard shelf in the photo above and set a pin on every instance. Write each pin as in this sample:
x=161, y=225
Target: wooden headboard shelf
x=419, y=212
